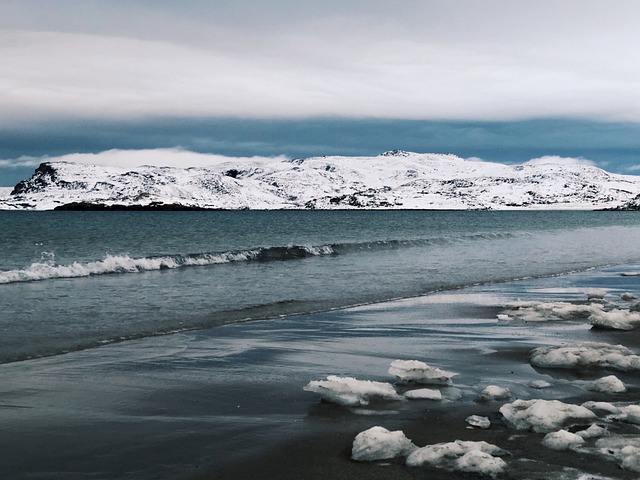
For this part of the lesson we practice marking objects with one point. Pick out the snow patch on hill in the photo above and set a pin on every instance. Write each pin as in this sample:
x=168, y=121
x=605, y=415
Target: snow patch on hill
x=393, y=179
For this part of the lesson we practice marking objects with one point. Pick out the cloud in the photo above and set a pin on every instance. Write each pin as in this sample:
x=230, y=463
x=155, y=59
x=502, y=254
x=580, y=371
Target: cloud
x=556, y=160
x=417, y=59
x=161, y=157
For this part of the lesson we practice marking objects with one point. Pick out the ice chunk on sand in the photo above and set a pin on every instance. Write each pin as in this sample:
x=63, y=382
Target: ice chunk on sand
x=624, y=448
x=478, y=421
x=610, y=384
x=424, y=394
x=629, y=413
x=476, y=457
x=378, y=443
x=549, y=311
x=595, y=293
x=605, y=407
x=615, y=319
x=562, y=440
x=628, y=296
x=414, y=371
x=594, y=431
x=586, y=354
x=350, y=392
x=544, y=415
x=494, y=392
x=539, y=384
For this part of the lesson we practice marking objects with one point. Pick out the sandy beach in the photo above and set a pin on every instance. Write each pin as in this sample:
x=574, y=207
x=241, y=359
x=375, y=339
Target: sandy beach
x=229, y=402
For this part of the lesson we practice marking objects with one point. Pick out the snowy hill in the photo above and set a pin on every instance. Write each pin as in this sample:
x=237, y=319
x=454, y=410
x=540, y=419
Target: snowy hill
x=393, y=179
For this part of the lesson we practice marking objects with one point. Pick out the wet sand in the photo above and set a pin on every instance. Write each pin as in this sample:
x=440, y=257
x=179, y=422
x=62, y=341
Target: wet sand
x=228, y=402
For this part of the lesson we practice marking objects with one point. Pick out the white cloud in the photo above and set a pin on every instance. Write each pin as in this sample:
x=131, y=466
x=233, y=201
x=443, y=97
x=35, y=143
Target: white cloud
x=431, y=59
x=556, y=160
x=161, y=157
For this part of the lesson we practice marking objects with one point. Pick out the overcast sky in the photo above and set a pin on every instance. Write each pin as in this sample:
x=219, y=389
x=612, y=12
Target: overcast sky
x=295, y=77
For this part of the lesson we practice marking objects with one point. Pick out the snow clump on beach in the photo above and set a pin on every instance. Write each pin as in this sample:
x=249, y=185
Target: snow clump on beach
x=548, y=311
x=478, y=421
x=562, y=440
x=349, y=392
x=586, y=355
x=594, y=431
x=424, y=394
x=625, y=449
x=414, y=371
x=465, y=456
x=596, y=293
x=378, y=443
x=628, y=296
x=610, y=384
x=494, y=392
x=615, y=319
x=544, y=415
x=539, y=384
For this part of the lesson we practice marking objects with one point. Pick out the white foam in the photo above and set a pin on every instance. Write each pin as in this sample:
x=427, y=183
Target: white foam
x=586, y=355
x=610, y=384
x=378, y=443
x=544, y=415
x=616, y=319
x=414, y=371
x=562, y=440
x=465, y=456
x=424, y=394
x=350, y=392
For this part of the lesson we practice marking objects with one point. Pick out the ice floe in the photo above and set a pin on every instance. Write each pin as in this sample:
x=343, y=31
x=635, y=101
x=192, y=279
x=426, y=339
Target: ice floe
x=378, y=443
x=424, y=394
x=539, y=384
x=494, y=392
x=628, y=413
x=623, y=448
x=596, y=293
x=466, y=456
x=604, y=407
x=594, y=431
x=350, y=392
x=628, y=296
x=478, y=421
x=562, y=440
x=415, y=371
x=548, y=311
x=586, y=355
x=544, y=415
x=615, y=319
x=610, y=384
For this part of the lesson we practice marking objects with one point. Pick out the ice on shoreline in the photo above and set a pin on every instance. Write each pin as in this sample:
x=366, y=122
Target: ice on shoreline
x=414, y=371
x=535, y=311
x=464, y=456
x=616, y=319
x=349, y=392
x=586, y=355
x=544, y=415
x=478, y=421
x=494, y=392
x=562, y=440
x=610, y=384
x=424, y=394
x=378, y=443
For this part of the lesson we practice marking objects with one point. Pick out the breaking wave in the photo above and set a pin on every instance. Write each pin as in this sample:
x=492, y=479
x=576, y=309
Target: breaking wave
x=112, y=264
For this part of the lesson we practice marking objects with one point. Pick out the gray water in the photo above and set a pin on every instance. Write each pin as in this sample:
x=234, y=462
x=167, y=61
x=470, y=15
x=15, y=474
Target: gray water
x=76, y=280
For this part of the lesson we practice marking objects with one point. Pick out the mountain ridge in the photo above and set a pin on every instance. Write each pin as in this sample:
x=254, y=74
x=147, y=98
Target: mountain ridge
x=391, y=180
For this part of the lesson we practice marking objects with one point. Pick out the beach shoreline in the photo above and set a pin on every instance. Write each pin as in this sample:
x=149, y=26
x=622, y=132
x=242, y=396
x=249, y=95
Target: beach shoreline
x=229, y=403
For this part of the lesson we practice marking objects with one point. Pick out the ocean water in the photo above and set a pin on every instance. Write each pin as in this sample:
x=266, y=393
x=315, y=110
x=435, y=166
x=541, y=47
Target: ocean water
x=77, y=280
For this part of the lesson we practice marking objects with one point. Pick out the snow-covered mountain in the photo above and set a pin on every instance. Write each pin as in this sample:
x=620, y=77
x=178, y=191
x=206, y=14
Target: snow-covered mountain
x=393, y=179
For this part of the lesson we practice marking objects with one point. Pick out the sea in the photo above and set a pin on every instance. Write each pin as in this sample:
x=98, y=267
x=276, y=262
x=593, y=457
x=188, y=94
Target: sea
x=72, y=281
x=177, y=345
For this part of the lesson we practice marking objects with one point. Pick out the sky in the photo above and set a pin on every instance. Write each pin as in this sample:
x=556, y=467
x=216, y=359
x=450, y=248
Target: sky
x=500, y=80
